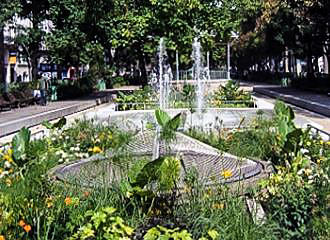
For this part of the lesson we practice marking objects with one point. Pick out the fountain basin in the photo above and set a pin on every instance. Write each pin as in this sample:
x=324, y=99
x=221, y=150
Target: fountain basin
x=210, y=163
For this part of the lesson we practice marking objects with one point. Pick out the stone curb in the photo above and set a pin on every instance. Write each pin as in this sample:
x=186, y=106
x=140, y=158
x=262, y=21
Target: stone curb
x=309, y=105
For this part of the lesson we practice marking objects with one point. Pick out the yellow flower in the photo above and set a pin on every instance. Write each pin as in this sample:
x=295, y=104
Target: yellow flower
x=10, y=151
x=8, y=182
x=218, y=206
x=308, y=143
x=227, y=173
x=97, y=149
x=2, y=237
x=49, y=202
x=1, y=170
x=328, y=142
x=21, y=223
x=321, y=142
x=7, y=157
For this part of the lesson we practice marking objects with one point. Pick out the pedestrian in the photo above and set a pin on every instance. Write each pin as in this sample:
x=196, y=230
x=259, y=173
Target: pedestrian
x=42, y=88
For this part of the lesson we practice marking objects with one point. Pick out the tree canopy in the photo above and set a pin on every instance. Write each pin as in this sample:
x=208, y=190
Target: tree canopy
x=125, y=33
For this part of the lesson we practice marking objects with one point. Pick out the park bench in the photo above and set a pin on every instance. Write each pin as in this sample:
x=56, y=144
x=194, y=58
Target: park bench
x=24, y=97
x=4, y=104
x=9, y=97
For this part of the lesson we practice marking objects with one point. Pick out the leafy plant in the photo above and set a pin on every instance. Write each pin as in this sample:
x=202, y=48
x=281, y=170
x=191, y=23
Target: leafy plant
x=57, y=125
x=160, y=233
x=231, y=96
x=103, y=224
x=168, y=125
x=139, y=99
x=164, y=171
x=20, y=144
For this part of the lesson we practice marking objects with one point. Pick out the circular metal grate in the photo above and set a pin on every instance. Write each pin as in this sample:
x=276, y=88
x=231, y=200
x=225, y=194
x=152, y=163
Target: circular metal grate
x=208, y=161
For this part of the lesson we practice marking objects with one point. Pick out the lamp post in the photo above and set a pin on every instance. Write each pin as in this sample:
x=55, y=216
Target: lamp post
x=177, y=66
x=228, y=60
x=233, y=36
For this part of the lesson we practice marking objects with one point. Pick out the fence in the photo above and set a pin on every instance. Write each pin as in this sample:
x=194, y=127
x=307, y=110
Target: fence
x=187, y=75
x=318, y=132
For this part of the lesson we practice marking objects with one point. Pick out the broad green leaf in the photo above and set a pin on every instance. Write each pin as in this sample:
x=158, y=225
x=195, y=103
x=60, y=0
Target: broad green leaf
x=148, y=173
x=58, y=125
x=213, y=234
x=174, y=123
x=162, y=117
x=20, y=143
x=47, y=124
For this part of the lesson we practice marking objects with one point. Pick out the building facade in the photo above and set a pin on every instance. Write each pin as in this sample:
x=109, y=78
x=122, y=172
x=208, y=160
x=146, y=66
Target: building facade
x=14, y=64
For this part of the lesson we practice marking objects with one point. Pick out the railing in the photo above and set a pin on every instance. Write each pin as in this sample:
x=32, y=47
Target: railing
x=318, y=132
x=153, y=105
x=187, y=75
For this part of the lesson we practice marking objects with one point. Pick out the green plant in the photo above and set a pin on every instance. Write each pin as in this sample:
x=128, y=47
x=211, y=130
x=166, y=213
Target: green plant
x=231, y=96
x=296, y=196
x=57, y=125
x=103, y=224
x=20, y=144
x=168, y=125
x=159, y=233
x=139, y=99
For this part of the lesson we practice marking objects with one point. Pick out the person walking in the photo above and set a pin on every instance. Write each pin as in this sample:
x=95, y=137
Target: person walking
x=43, y=89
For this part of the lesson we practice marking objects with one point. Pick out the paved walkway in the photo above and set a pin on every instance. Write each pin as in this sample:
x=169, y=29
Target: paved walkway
x=13, y=120
x=309, y=106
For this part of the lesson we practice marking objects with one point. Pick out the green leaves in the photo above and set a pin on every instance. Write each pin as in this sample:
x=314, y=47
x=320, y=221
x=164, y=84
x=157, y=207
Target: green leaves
x=162, y=117
x=164, y=171
x=58, y=125
x=169, y=126
x=20, y=144
x=148, y=173
x=163, y=233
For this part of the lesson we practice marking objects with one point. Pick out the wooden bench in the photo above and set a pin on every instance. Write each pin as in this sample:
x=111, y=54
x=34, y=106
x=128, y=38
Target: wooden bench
x=4, y=104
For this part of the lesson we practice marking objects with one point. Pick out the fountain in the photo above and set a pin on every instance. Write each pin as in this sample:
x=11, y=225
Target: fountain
x=197, y=76
x=164, y=78
x=209, y=162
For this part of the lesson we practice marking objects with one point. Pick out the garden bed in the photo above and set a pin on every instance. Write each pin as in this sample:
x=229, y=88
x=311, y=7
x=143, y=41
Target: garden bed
x=172, y=205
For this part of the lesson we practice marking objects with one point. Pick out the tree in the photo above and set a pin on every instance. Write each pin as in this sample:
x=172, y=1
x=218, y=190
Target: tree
x=30, y=39
x=7, y=10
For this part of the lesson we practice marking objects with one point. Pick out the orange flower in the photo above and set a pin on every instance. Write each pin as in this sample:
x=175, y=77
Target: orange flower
x=21, y=223
x=27, y=228
x=67, y=201
x=2, y=237
x=86, y=194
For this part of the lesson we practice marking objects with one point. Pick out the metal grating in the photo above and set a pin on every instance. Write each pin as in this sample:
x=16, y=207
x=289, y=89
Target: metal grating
x=208, y=161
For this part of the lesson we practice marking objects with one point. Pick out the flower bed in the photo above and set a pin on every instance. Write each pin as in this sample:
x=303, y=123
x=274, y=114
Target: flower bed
x=35, y=205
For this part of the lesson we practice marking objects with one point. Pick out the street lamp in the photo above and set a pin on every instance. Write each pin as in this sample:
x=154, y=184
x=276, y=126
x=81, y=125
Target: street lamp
x=233, y=36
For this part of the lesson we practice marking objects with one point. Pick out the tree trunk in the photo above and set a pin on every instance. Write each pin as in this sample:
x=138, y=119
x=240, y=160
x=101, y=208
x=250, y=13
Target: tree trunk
x=142, y=65
x=2, y=58
x=59, y=71
x=34, y=67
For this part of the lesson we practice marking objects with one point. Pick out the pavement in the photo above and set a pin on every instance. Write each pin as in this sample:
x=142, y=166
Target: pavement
x=309, y=107
x=13, y=120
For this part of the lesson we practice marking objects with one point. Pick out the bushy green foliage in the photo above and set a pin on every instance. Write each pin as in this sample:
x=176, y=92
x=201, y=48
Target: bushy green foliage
x=139, y=99
x=103, y=224
x=296, y=196
x=231, y=96
x=35, y=206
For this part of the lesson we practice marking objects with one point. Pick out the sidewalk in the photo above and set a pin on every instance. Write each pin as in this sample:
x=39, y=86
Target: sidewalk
x=13, y=120
x=311, y=101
